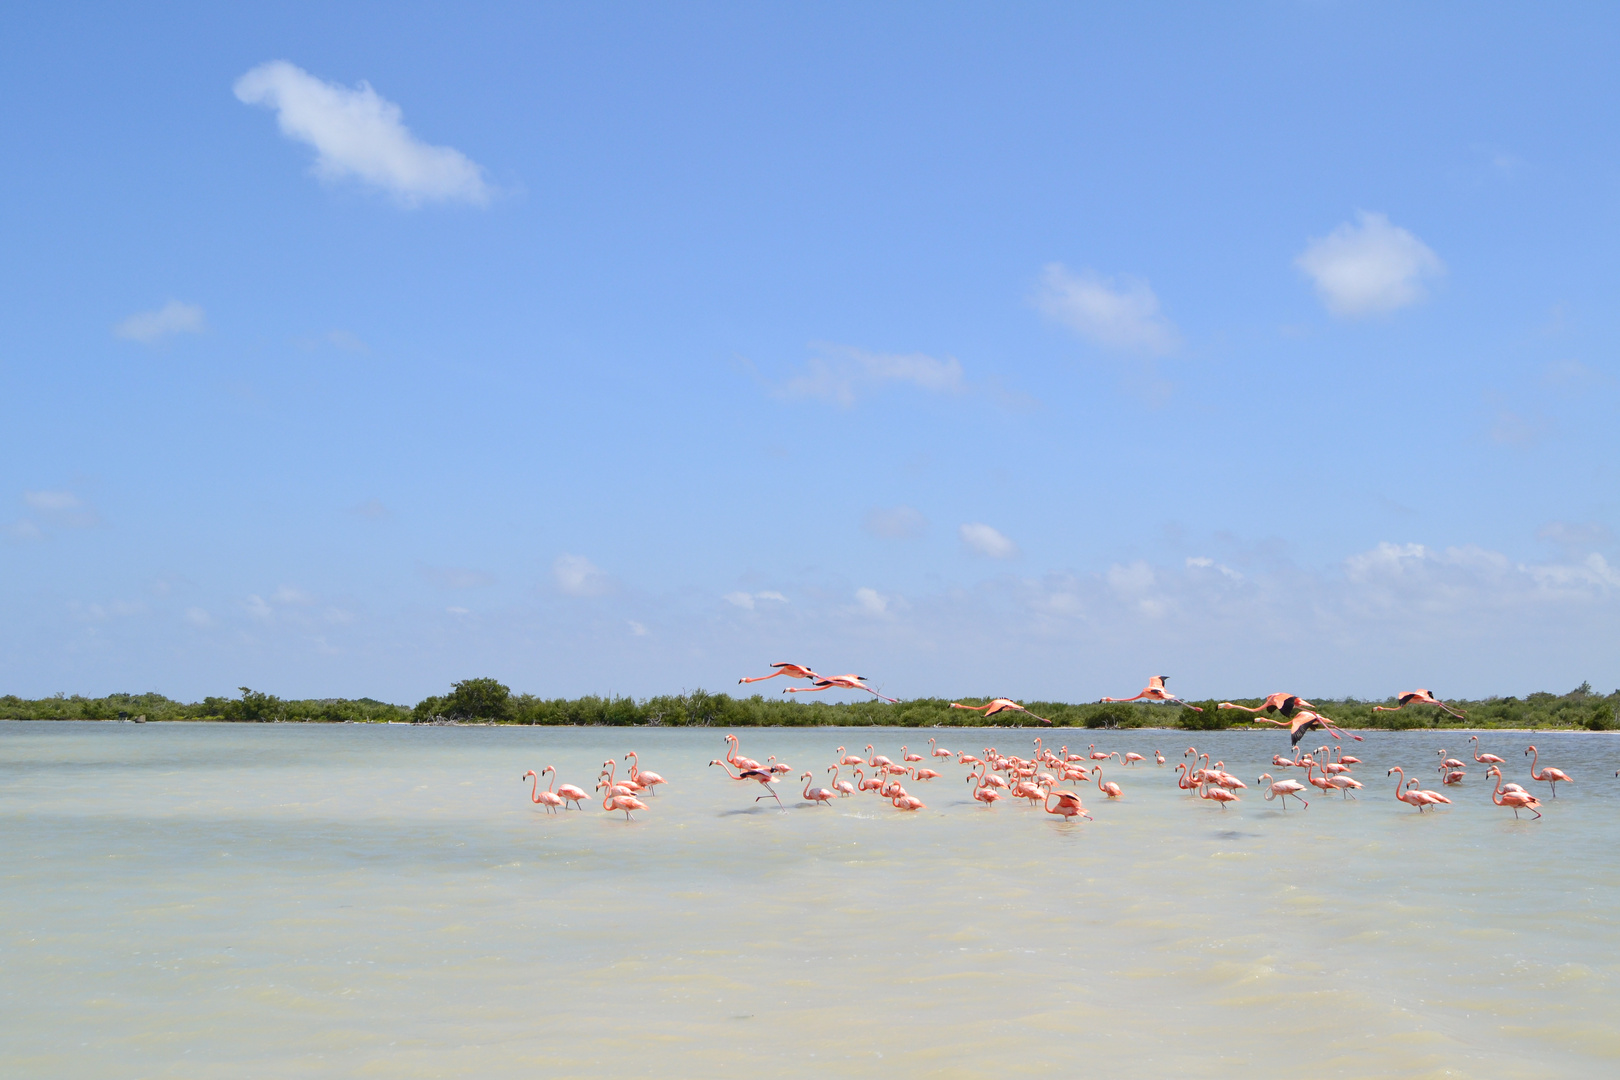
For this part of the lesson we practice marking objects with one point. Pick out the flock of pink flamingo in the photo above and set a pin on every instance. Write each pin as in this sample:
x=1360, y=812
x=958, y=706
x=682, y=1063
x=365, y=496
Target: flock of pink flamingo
x=996, y=777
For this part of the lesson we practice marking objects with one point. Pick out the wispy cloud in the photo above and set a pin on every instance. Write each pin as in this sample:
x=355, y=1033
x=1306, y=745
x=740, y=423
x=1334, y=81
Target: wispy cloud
x=457, y=577
x=1369, y=267
x=357, y=133
x=62, y=509
x=1116, y=313
x=982, y=539
x=748, y=601
x=842, y=374
x=895, y=523
x=871, y=601
x=172, y=318
x=575, y=575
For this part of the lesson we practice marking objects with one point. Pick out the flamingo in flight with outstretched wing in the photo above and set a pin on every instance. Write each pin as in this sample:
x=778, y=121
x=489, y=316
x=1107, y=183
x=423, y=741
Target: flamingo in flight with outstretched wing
x=1302, y=721
x=792, y=671
x=1155, y=691
x=999, y=705
x=843, y=682
x=1419, y=696
x=1278, y=702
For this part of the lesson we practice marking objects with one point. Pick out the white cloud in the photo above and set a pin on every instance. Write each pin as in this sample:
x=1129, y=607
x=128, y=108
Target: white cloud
x=286, y=594
x=63, y=509
x=197, y=616
x=747, y=601
x=985, y=540
x=24, y=530
x=1118, y=314
x=1204, y=562
x=895, y=523
x=258, y=609
x=842, y=374
x=52, y=500
x=637, y=629
x=1368, y=268
x=872, y=602
x=576, y=575
x=172, y=318
x=357, y=133
x=457, y=611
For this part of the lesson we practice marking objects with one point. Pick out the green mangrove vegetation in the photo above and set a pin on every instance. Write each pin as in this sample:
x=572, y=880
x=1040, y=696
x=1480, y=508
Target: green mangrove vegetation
x=486, y=700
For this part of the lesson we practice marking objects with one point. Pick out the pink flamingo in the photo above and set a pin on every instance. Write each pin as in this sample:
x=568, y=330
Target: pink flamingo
x=619, y=787
x=1318, y=781
x=1418, y=697
x=777, y=767
x=1301, y=722
x=820, y=795
x=547, y=798
x=626, y=803
x=924, y=774
x=1159, y=756
x=1217, y=795
x=1278, y=702
x=904, y=756
x=1282, y=789
x=843, y=787
x=1432, y=796
x=998, y=705
x=1108, y=788
x=1548, y=774
x=1485, y=759
x=648, y=780
x=1449, y=777
x=1451, y=762
x=1096, y=754
x=843, y=682
x=1519, y=800
x=863, y=784
x=737, y=759
x=759, y=776
x=1411, y=798
x=877, y=760
x=1132, y=759
x=901, y=801
x=792, y=671
x=1345, y=783
x=1068, y=805
x=1155, y=691
x=939, y=751
x=849, y=759
x=572, y=794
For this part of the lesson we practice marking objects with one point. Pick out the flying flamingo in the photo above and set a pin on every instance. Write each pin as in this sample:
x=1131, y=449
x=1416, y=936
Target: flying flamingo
x=1485, y=759
x=939, y=751
x=1549, y=774
x=1282, y=789
x=1155, y=691
x=648, y=780
x=1068, y=805
x=843, y=787
x=792, y=671
x=1418, y=697
x=1278, y=702
x=1301, y=722
x=1519, y=800
x=844, y=682
x=760, y=776
x=998, y=705
x=547, y=798
x=1108, y=788
x=820, y=794
x=626, y=803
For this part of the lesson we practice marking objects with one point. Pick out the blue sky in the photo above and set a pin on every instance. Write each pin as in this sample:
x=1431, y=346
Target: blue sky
x=624, y=348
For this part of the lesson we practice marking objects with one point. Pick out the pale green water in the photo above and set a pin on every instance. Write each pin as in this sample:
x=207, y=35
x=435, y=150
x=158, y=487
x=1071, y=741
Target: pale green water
x=270, y=901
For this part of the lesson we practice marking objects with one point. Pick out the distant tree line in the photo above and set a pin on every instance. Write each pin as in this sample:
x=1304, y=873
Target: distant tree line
x=486, y=700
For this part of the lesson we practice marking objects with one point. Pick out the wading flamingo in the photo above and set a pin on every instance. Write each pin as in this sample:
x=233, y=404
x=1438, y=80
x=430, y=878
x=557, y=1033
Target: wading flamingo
x=1132, y=759
x=759, y=776
x=863, y=784
x=1485, y=759
x=547, y=798
x=816, y=795
x=1432, y=796
x=843, y=682
x=843, y=787
x=998, y=705
x=792, y=671
x=1159, y=756
x=923, y=774
x=1068, y=805
x=1108, y=788
x=877, y=760
x=1548, y=774
x=626, y=803
x=849, y=759
x=940, y=751
x=619, y=787
x=572, y=794
x=1411, y=798
x=648, y=780
x=1450, y=762
x=1418, y=697
x=1096, y=754
x=1519, y=800
x=1281, y=789
x=1155, y=691
x=777, y=766
x=1449, y=777
x=905, y=756
x=1217, y=795
x=901, y=801
x=737, y=759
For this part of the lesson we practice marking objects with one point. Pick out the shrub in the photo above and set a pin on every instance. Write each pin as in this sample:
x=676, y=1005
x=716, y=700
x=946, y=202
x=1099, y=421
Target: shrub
x=1211, y=719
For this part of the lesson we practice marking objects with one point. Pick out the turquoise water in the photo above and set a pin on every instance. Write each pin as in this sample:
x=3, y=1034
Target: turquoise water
x=184, y=900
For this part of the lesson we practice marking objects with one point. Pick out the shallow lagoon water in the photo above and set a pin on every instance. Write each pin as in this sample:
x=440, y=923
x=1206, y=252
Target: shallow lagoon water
x=182, y=900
